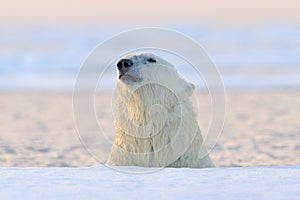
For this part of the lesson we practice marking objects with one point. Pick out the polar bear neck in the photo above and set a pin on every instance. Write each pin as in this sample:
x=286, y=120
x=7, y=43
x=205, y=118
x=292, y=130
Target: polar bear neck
x=144, y=104
x=142, y=101
x=148, y=113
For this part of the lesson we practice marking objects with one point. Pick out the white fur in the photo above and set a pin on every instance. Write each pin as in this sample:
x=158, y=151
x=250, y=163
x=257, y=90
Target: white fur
x=154, y=120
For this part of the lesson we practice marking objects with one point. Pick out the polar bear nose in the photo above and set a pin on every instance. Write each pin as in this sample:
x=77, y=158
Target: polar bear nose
x=124, y=63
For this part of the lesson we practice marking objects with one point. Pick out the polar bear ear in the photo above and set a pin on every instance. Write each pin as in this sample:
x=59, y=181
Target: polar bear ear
x=190, y=89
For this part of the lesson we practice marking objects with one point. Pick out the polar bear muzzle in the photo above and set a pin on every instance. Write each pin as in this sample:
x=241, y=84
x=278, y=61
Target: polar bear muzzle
x=127, y=67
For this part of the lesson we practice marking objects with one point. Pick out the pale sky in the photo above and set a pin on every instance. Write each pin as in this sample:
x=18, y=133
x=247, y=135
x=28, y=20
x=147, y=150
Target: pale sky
x=114, y=13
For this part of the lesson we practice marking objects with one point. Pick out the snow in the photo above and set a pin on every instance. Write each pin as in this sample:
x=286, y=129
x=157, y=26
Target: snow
x=100, y=182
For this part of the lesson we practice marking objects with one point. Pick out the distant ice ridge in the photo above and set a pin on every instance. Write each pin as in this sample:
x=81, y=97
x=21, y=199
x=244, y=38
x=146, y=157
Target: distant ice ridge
x=247, y=58
x=100, y=182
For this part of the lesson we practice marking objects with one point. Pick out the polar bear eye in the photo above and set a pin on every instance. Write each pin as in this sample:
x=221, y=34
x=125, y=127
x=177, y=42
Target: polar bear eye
x=151, y=60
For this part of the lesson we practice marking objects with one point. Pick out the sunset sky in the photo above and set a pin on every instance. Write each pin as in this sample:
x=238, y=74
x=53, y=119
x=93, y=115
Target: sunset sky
x=113, y=13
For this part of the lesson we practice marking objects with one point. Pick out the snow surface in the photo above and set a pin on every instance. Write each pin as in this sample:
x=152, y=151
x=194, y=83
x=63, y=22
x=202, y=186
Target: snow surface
x=100, y=182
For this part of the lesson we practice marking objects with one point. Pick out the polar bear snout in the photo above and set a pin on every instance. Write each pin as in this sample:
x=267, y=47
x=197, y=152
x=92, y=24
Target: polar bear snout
x=129, y=67
x=124, y=64
x=127, y=72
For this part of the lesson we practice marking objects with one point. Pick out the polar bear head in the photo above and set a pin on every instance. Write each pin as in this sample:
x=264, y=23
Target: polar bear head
x=149, y=74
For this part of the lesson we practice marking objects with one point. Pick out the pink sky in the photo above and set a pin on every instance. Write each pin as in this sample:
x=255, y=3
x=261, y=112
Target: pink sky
x=148, y=13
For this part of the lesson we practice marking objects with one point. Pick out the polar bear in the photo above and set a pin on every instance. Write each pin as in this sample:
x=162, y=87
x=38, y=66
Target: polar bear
x=154, y=118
